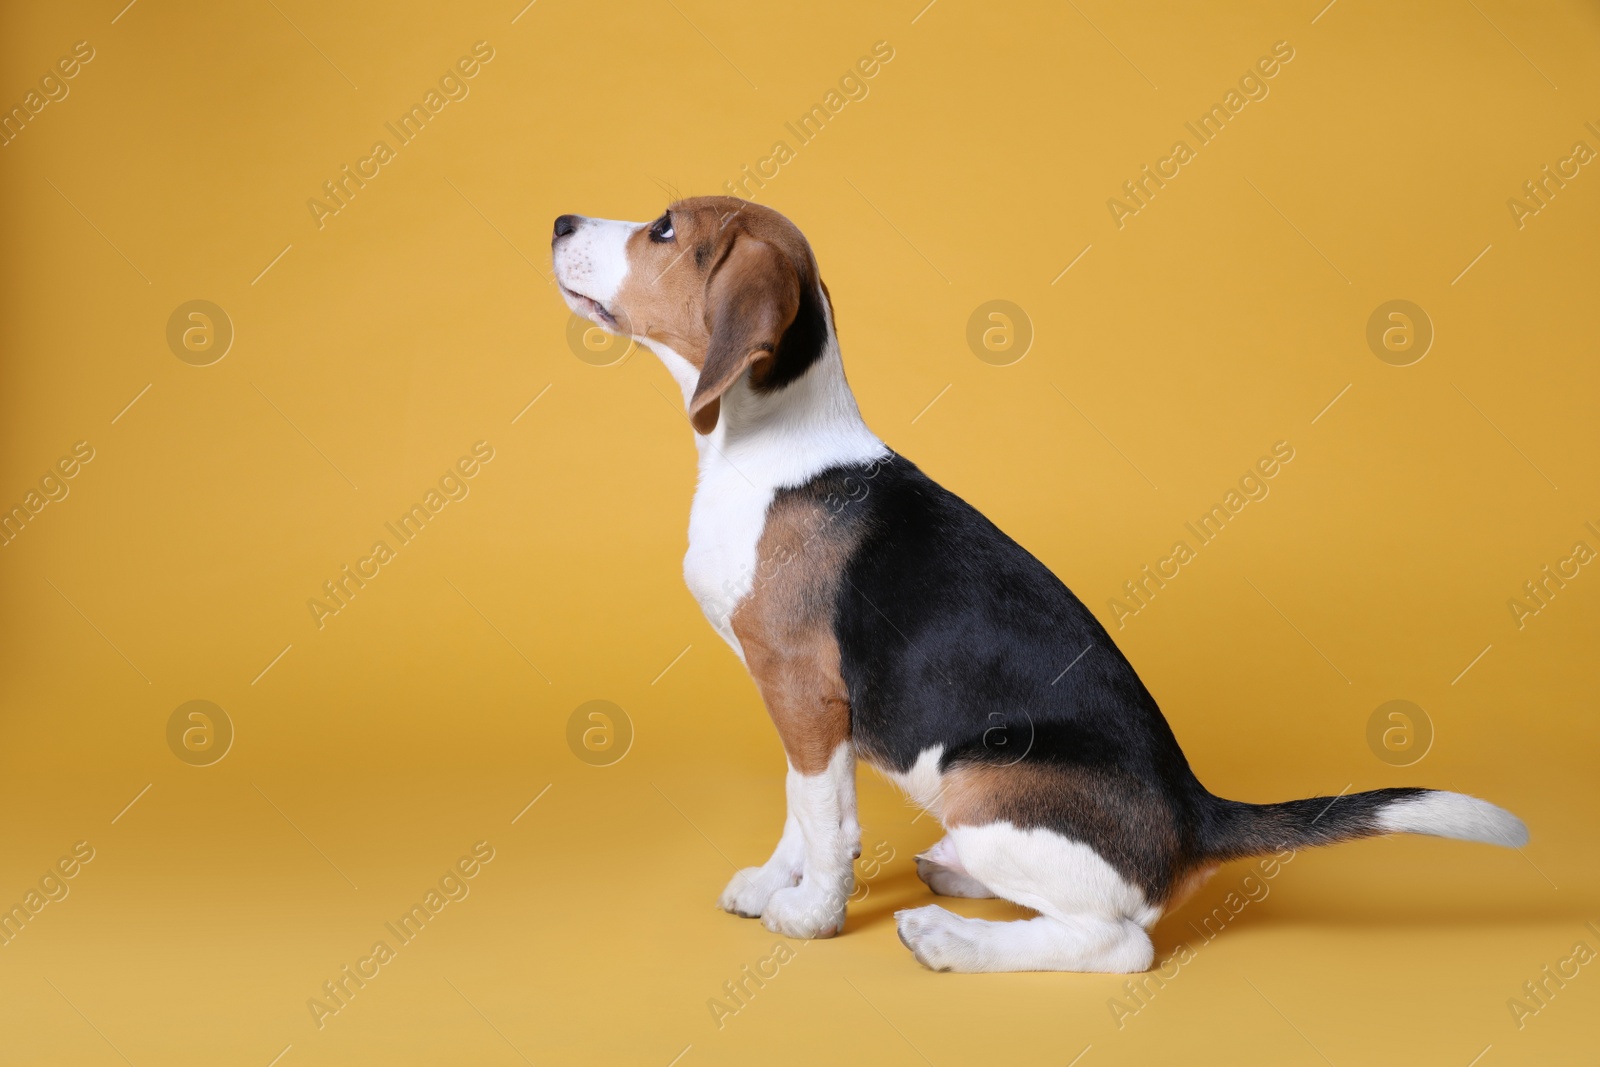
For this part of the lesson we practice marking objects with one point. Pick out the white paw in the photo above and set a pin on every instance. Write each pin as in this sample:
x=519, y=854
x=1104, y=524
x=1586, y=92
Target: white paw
x=805, y=911
x=936, y=938
x=950, y=883
x=747, y=894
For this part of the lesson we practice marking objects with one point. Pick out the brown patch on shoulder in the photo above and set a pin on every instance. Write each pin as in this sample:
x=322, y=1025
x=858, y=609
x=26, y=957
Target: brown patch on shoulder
x=1132, y=827
x=785, y=627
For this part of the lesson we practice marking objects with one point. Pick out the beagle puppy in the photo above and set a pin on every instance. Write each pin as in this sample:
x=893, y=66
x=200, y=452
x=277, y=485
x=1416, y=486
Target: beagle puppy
x=883, y=617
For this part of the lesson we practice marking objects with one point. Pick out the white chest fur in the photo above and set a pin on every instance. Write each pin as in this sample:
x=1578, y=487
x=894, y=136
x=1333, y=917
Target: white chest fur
x=725, y=524
x=762, y=443
x=739, y=477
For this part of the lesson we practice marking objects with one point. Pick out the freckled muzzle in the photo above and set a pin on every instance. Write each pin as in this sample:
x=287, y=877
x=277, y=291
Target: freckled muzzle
x=591, y=262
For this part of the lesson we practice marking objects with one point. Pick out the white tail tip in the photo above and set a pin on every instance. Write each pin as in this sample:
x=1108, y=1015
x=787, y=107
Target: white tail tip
x=1455, y=815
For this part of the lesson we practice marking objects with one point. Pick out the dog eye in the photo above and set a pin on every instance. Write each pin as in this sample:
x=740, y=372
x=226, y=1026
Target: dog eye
x=661, y=229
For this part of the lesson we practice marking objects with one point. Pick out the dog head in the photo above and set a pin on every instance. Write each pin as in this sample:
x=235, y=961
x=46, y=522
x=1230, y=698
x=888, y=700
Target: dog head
x=729, y=286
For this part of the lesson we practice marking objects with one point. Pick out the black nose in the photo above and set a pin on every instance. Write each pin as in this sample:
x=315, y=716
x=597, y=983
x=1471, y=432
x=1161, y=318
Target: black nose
x=565, y=224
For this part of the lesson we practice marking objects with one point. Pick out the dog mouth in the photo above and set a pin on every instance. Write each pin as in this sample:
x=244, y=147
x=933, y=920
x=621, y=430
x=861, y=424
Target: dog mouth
x=588, y=305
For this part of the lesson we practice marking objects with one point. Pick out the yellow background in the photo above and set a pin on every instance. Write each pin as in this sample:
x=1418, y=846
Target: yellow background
x=427, y=714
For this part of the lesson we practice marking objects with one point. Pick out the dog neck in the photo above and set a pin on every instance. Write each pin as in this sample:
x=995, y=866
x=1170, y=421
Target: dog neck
x=786, y=437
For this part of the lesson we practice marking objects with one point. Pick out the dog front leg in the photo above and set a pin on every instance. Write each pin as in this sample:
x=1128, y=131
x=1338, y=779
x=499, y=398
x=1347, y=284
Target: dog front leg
x=823, y=805
x=797, y=670
x=820, y=826
x=747, y=894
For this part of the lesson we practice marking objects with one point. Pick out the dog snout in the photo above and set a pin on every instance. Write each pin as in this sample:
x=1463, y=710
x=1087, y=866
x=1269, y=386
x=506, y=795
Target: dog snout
x=565, y=224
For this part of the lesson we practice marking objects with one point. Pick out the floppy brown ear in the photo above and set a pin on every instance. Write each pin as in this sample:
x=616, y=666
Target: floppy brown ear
x=753, y=297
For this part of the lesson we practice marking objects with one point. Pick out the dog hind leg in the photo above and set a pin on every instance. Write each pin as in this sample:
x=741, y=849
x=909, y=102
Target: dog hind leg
x=940, y=868
x=1091, y=919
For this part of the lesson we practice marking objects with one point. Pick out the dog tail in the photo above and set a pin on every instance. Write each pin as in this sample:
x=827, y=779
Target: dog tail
x=1233, y=830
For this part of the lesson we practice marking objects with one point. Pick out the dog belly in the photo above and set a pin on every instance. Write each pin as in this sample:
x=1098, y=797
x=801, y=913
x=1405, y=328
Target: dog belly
x=921, y=784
